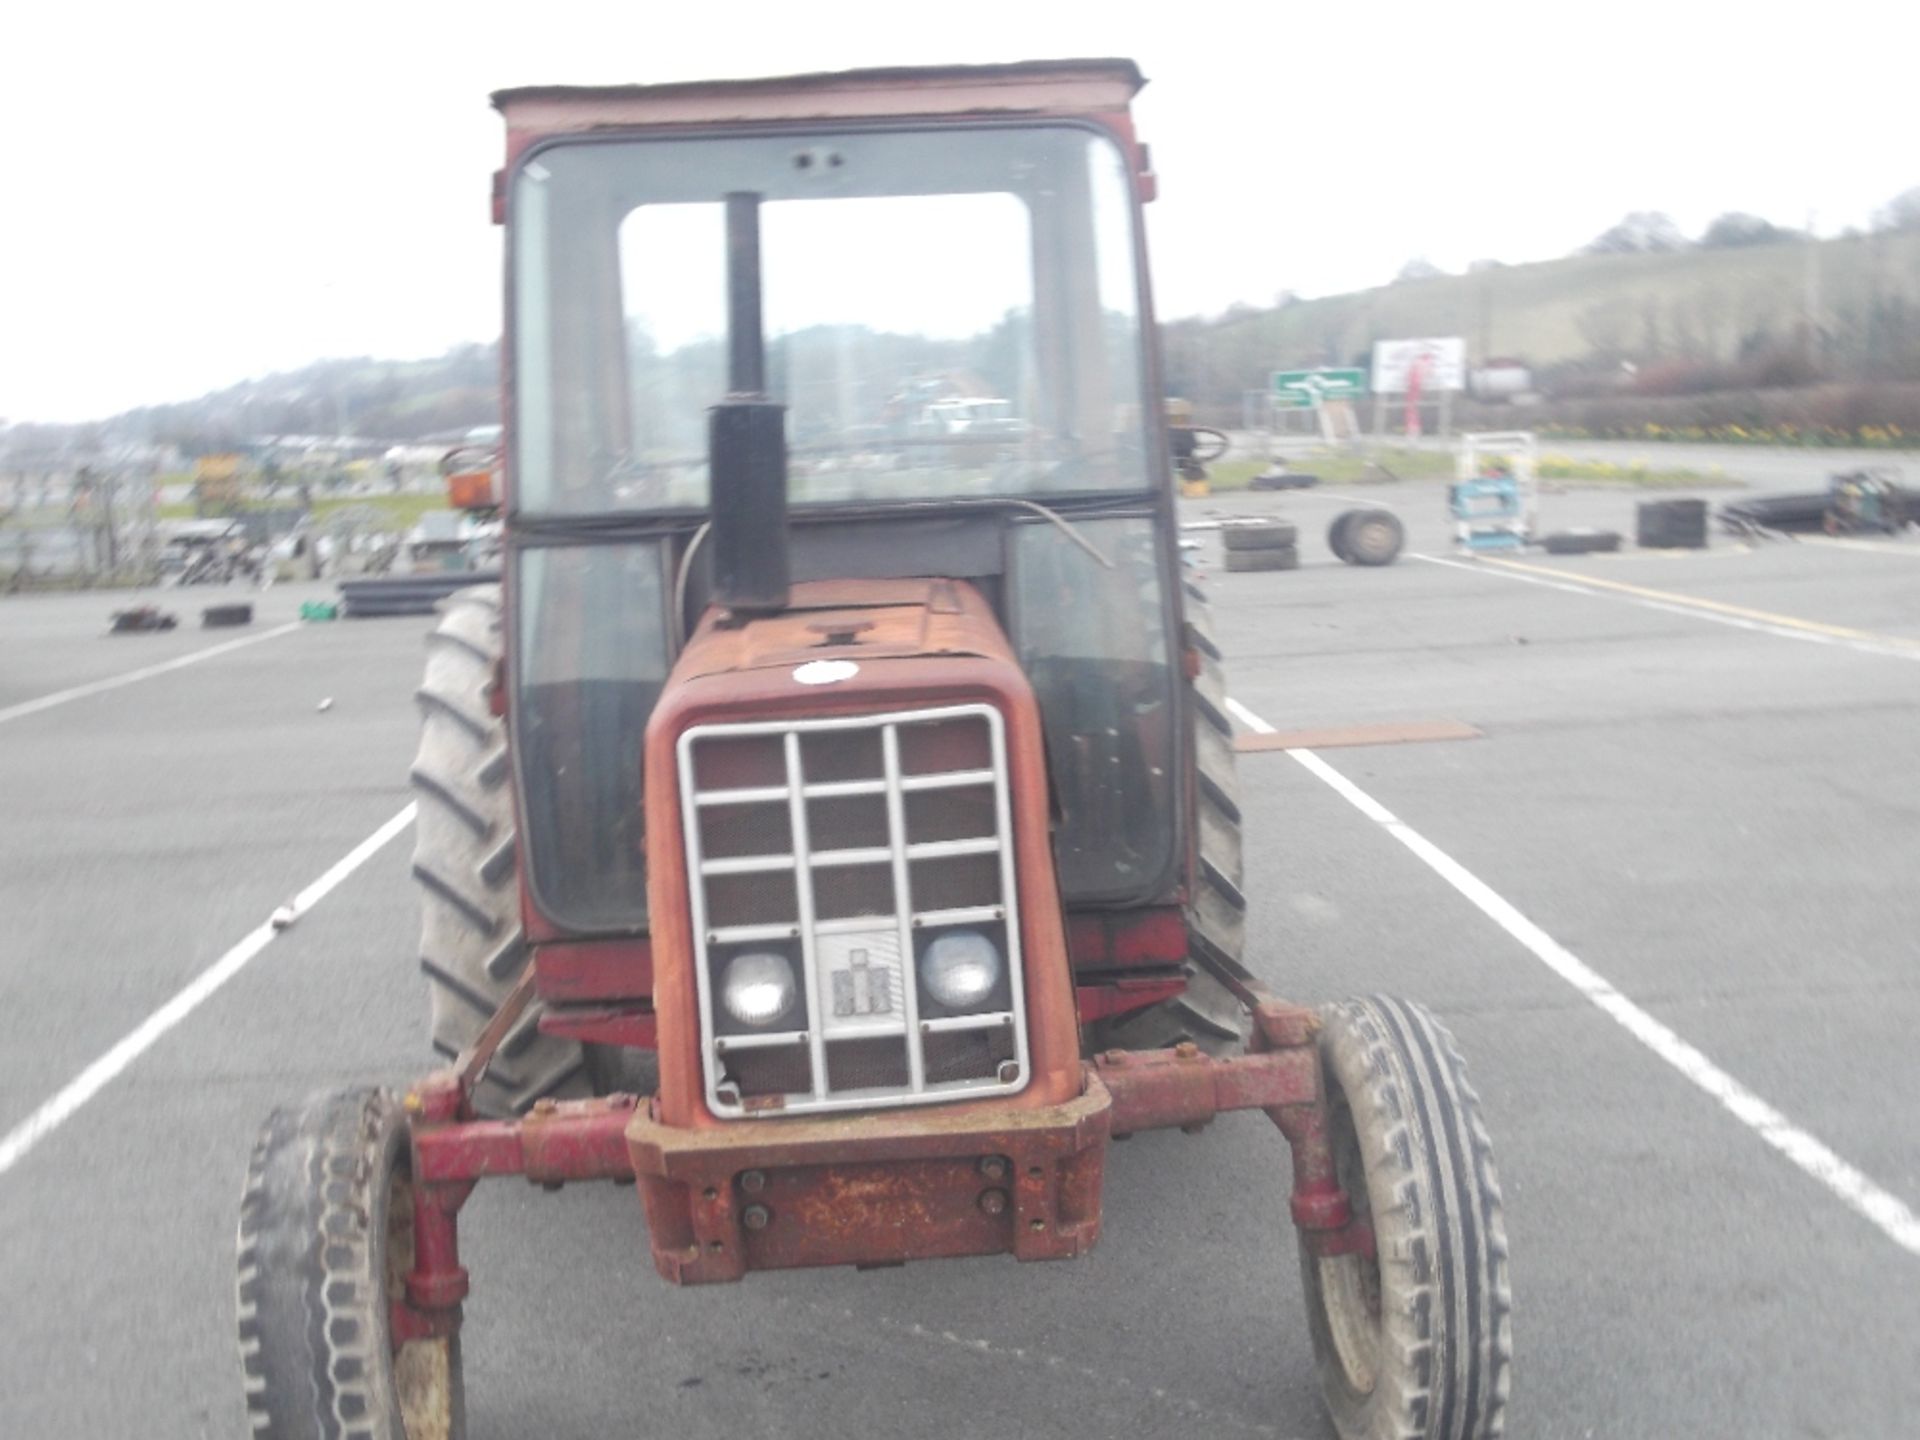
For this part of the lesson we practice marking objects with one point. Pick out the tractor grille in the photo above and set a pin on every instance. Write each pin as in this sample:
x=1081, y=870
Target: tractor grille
x=845, y=848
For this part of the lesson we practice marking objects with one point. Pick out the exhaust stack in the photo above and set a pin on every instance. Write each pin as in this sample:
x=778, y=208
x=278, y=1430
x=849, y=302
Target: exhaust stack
x=746, y=440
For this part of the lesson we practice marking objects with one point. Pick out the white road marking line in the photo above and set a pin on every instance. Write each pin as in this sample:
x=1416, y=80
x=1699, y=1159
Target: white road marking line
x=1874, y=547
x=1334, y=497
x=1855, y=1190
x=92, y=1080
x=1572, y=586
x=145, y=672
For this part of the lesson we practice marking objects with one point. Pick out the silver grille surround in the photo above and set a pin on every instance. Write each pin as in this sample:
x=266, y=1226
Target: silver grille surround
x=802, y=861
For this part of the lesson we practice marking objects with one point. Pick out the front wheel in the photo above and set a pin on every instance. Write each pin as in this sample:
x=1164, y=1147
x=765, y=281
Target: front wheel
x=326, y=1241
x=1414, y=1340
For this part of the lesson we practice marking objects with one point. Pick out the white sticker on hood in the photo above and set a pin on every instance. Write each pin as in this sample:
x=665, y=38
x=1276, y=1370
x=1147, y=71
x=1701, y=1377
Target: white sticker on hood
x=825, y=672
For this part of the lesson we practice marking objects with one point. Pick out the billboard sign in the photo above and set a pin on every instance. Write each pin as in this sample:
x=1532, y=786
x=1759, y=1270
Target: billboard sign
x=1442, y=363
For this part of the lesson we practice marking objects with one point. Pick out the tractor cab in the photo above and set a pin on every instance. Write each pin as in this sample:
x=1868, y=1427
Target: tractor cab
x=766, y=335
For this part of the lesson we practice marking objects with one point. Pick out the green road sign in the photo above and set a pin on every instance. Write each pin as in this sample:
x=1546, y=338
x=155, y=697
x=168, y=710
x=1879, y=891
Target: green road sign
x=1303, y=389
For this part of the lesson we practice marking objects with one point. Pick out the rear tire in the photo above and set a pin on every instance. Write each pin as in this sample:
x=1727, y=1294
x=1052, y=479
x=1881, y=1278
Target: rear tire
x=1337, y=535
x=1206, y=1012
x=1371, y=537
x=326, y=1240
x=466, y=861
x=1415, y=1340
x=1582, y=542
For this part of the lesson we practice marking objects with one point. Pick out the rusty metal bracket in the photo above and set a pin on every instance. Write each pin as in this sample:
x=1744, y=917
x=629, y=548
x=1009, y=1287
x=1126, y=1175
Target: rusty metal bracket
x=871, y=1189
x=1278, y=1025
x=1319, y=1206
x=1160, y=1089
x=868, y=1189
x=473, y=1061
x=560, y=1140
x=1245, y=986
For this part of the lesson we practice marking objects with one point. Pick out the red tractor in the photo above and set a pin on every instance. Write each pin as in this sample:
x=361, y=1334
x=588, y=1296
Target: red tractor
x=827, y=825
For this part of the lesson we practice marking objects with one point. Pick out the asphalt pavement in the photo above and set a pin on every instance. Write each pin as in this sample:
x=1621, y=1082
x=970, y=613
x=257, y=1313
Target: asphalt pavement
x=1714, y=812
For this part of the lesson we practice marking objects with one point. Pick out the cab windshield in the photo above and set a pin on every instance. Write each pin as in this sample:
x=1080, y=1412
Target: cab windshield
x=948, y=313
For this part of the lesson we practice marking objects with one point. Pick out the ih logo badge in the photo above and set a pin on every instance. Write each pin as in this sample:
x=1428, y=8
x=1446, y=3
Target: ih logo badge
x=861, y=988
x=860, y=975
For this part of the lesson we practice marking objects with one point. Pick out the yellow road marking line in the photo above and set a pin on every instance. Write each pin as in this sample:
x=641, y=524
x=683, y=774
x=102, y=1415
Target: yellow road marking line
x=1694, y=602
x=1733, y=551
x=1332, y=737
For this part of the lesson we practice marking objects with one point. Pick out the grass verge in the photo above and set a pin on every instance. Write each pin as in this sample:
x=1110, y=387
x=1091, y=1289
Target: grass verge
x=394, y=512
x=1387, y=465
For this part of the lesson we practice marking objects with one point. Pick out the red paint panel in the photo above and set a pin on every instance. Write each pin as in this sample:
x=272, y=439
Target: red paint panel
x=871, y=1189
x=578, y=972
x=1116, y=939
x=629, y=1025
x=1121, y=997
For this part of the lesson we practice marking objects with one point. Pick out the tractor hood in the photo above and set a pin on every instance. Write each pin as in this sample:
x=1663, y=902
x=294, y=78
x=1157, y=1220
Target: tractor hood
x=921, y=691
x=848, y=622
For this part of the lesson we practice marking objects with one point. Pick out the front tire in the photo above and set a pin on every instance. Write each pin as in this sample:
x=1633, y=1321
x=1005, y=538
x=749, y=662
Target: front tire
x=1416, y=1339
x=326, y=1241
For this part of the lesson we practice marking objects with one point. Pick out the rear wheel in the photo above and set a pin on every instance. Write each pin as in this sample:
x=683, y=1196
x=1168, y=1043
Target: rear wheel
x=1206, y=1012
x=1582, y=542
x=326, y=1241
x=1337, y=534
x=465, y=859
x=1414, y=1340
x=1371, y=537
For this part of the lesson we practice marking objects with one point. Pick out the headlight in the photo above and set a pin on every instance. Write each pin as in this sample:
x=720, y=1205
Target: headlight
x=757, y=988
x=960, y=969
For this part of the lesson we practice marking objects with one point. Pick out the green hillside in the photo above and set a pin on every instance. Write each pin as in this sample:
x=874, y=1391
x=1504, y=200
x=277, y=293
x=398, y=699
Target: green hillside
x=1707, y=305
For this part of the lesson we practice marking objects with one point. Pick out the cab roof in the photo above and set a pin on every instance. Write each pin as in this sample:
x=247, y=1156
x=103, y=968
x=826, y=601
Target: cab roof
x=1028, y=87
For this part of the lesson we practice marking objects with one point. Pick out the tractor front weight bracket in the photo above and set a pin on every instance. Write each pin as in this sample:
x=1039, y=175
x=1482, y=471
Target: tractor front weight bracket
x=1320, y=1208
x=617, y=1137
x=555, y=1143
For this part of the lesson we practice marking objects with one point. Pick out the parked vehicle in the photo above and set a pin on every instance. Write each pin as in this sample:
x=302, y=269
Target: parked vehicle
x=845, y=869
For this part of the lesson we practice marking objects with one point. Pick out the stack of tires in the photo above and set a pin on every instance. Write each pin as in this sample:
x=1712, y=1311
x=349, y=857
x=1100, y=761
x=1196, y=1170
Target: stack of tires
x=1673, y=525
x=383, y=595
x=1260, y=544
x=1582, y=542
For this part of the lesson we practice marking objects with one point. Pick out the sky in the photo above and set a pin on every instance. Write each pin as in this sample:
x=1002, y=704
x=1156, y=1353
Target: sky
x=200, y=193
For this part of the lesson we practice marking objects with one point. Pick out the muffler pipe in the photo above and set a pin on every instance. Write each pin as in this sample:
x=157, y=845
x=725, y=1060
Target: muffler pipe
x=747, y=440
